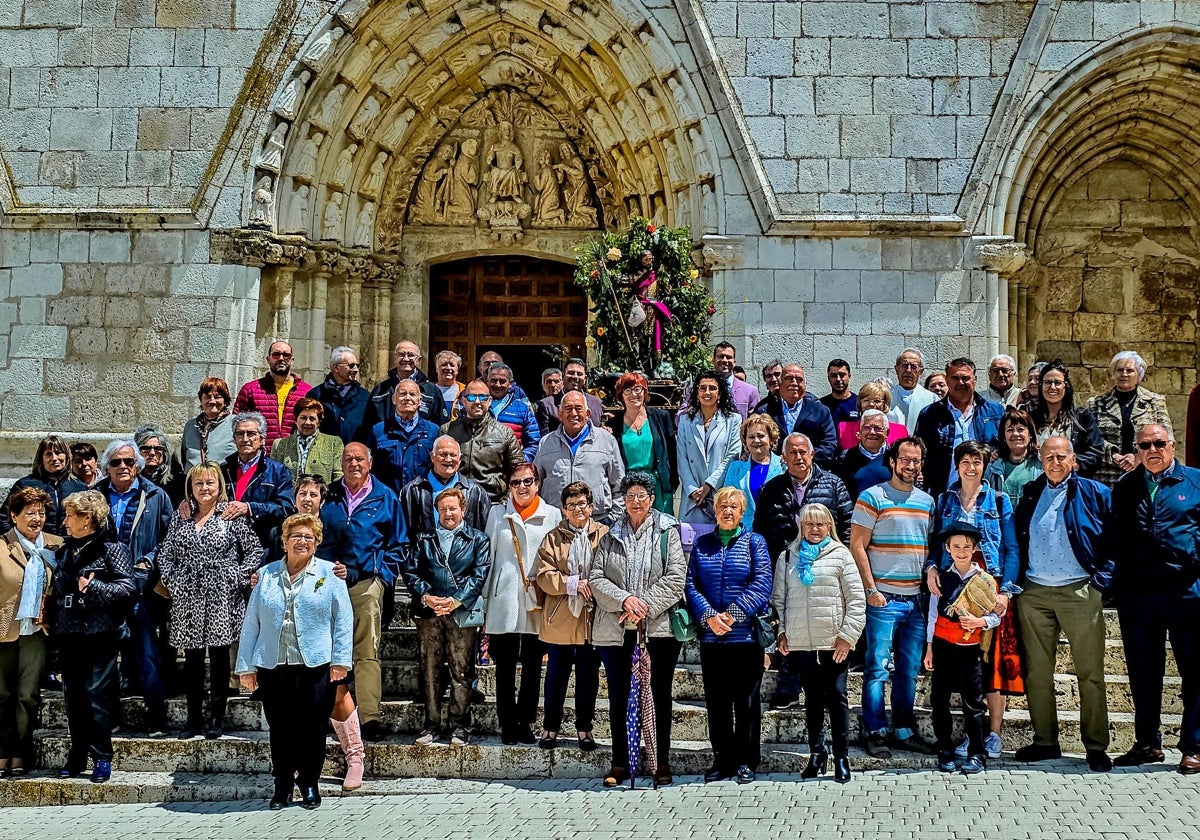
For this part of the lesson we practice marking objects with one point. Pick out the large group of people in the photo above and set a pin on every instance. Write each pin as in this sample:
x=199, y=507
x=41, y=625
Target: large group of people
x=952, y=526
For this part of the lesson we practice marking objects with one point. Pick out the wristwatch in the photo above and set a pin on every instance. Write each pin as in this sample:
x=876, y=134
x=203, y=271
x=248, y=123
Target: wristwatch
x=872, y=591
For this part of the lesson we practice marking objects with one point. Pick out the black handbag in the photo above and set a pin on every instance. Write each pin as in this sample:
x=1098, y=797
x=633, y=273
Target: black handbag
x=766, y=627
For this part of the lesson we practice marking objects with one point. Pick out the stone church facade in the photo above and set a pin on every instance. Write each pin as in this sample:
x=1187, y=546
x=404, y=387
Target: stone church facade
x=184, y=181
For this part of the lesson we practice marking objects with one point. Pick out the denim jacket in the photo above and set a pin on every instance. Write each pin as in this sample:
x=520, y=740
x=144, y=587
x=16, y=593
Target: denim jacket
x=994, y=519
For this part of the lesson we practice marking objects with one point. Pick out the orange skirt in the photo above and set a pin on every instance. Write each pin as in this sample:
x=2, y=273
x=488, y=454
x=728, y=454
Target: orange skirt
x=1002, y=665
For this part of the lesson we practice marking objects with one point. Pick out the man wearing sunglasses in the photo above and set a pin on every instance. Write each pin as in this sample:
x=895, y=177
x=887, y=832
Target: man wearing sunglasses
x=139, y=515
x=490, y=450
x=275, y=395
x=1155, y=531
x=344, y=398
x=1064, y=570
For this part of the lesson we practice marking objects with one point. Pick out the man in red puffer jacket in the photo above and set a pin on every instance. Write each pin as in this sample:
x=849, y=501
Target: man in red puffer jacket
x=275, y=395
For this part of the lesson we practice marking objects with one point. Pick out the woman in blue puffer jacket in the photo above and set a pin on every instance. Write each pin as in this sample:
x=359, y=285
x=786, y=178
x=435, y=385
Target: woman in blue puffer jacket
x=728, y=585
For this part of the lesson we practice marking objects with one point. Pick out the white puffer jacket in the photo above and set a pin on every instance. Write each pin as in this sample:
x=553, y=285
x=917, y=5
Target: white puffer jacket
x=833, y=605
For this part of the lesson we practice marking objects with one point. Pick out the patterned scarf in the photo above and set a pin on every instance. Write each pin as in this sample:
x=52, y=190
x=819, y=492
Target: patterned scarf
x=807, y=555
x=640, y=549
x=304, y=447
x=34, y=582
x=579, y=564
x=204, y=426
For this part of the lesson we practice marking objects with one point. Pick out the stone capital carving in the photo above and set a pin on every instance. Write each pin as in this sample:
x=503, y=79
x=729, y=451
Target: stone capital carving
x=720, y=252
x=1001, y=255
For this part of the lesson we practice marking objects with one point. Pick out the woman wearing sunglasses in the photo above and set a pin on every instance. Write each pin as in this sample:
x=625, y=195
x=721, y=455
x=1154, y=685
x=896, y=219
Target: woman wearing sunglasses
x=513, y=602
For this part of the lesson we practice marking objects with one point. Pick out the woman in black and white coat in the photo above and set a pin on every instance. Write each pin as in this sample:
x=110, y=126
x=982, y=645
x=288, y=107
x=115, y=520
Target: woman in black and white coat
x=206, y=563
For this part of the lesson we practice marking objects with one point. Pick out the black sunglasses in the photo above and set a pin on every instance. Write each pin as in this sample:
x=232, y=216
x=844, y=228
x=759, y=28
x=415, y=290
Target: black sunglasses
x=122, y=462
x=1146, y=445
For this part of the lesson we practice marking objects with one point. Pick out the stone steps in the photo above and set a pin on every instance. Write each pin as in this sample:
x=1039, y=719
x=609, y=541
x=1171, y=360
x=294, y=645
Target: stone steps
x=403, y=718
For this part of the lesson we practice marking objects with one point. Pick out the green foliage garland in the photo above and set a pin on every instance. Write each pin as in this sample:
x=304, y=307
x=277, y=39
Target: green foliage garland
x=607, y=268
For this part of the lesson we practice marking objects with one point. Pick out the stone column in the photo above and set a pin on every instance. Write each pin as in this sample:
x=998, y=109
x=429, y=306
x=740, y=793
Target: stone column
x=410, y=307
x=1001, y=258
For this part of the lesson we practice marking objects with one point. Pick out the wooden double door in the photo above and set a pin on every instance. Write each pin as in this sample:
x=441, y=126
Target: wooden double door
x=528, y=310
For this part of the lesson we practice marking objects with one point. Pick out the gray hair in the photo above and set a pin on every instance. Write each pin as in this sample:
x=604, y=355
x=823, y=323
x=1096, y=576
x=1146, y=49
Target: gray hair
x=337, y=354
x=250, y=417
x=874, y=412
x=920, y=355
x=1064, y=438
x=1002, y=357
x=1129, y=356
x=115, y=447
x=437, y=440
x=447, y=354
x=550, y=372
x=1170, y=432
x=1038, y=366
x=801, y=436
x=149, y=432
x=500, y=366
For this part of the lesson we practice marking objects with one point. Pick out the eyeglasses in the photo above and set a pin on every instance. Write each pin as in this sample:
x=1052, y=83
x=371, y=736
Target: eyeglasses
x=637, y=498
x=275, y=354
x=1005, y=371
x=1053, y=383
x=476, y=397
x=910, y=462
x=908, y=365
x=577, y=505
x=302, y=538
x=243, y=433
x=350, y=364
x=523, y=482
x=130, y=462
x=148, y=450
x=636, y=391
x=1146, y=445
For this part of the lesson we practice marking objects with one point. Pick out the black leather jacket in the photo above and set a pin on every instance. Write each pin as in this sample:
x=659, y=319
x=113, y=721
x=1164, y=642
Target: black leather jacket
x=775, y=511
x=460, y=575
x=103, y=607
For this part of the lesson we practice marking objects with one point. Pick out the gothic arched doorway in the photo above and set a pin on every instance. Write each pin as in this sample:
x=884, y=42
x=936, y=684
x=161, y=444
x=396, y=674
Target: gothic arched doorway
x=527, y=309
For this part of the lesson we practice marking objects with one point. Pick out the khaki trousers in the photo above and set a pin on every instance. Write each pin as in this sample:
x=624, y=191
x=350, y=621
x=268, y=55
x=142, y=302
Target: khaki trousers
x=366, y=598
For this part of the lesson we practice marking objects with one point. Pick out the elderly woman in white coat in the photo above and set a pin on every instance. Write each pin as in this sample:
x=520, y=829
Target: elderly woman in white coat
x=512, y=601
x=637, y=575
x=707, y=441
x=822, y=609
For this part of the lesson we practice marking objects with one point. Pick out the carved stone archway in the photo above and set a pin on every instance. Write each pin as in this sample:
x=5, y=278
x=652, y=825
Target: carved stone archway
x=384, y=151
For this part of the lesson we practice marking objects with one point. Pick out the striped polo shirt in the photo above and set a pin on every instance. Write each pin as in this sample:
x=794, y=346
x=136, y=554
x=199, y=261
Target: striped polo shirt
x=899, y=521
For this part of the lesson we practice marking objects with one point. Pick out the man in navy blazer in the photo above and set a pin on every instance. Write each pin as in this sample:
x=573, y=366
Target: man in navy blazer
x=366, y=533
x=797, y=411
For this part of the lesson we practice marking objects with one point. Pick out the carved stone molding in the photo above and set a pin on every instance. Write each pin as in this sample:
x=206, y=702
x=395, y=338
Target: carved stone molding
x=262, y=249
x=721, y=252
x=1001, y=255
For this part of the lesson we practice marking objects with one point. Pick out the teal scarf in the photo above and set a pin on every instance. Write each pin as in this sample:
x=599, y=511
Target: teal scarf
x=808, y=555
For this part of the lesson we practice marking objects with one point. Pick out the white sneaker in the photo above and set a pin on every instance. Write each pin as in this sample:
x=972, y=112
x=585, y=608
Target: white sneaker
x=991, y=745
x=427, y=737
x=961, y=749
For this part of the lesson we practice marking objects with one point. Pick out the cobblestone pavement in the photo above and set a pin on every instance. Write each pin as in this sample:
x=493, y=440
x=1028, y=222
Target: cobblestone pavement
x=1059, y=801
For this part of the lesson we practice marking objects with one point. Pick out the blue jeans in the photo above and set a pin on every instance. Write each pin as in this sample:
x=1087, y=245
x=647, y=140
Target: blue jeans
x=896, y=632
x=142, y=647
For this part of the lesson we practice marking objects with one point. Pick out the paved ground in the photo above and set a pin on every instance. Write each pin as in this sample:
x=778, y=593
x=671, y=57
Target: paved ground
x=1060, y=801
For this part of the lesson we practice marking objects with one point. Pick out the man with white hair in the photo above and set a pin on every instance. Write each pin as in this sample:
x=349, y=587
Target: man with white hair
x=1002, y=385
x=909, y=396
x=864, y=466
x=259, y=486
x=344, y=397
x=140, y=513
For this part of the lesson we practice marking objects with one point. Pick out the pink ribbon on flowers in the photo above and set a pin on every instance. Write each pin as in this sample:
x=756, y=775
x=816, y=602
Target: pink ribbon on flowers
x=662, y=313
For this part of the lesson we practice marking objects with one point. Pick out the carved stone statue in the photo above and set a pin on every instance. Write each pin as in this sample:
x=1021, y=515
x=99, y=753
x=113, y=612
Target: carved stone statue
x=262, y=206
x=393, y=132
x=293, y=95
x=581, y=212
x=434, y=189
x=322, y=46
x=704, y=167
x=658, y=121
x=422, y=95
x=331, y=221
x=345, y=164
x=547, y=205
x=373, y=183
x=331, y=105
x=391, y=78
x=663, y=63
x=465, y=60
x=306, y=160
x=360, y=60
x=271, y=157
x=364, y=226
x=683, y=101
x=368, y=112
x=505, y=185
x=432, y=40
x=460, y=208
x=298, y=223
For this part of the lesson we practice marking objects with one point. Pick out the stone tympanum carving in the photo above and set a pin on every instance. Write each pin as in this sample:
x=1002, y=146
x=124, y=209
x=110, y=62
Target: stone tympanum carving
x=262, y=204
x=271, y=156
x=293, y=95
x=331, y=221
x=373, y=183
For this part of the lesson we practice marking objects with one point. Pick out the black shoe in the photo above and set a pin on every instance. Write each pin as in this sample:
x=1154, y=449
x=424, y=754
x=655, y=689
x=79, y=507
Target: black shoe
x=17, y=772
x=508, y=738
x=744, y=775
x=477, y=697
x=816, y=765
x=877, y=746
x=947, y=763
x=1098, y=761
x=280, y=800
x=841, y=769
x=524, y=733
x=373, y=731
x=716, y=774
x=548, y=741
x=587, y=743
x=915, y=743
x=310, y=798
x=214, y=729
x=189, y=732
x=1140, y=754
x=974, y=764
x=1038, y=752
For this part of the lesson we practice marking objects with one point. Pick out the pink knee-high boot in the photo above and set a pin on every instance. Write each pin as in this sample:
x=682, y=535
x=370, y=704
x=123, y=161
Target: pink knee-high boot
x=350, y=736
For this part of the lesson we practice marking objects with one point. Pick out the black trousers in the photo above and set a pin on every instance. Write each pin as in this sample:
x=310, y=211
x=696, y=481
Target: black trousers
x=218, y=683
x=297, y=701
x=1146, y=624
x=89, y=673
x=618, y=668
x=587, y=684
x=957, y=670
x=732, y=673
x=824, y=690
x=788, y=681
x=506, y=650
x=21, y=663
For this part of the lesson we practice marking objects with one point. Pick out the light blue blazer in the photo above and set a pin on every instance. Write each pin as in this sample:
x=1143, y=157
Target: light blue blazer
x=324, y=620
x=738, y=475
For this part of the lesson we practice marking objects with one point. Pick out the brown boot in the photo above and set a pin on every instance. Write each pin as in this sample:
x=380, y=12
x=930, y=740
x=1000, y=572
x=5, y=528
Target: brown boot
x=662, y=776
x=349, y=734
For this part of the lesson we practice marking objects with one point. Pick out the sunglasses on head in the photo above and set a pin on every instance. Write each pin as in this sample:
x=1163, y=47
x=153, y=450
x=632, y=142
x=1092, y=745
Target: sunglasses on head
x=122, y=462
x=1146, y=445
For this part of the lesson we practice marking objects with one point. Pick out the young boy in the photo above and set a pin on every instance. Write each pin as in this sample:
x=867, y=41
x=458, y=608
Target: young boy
x=953, y=652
